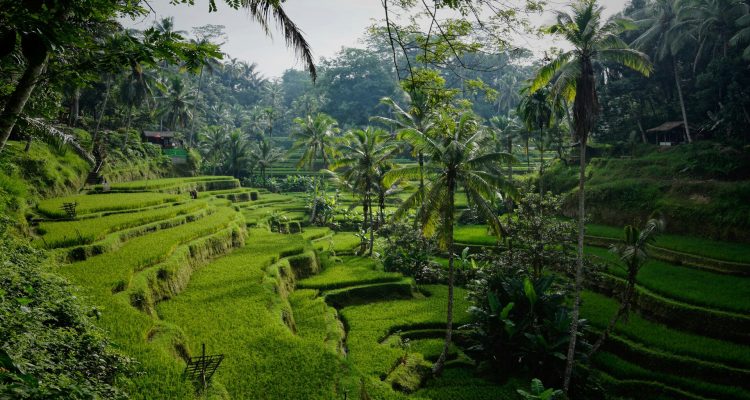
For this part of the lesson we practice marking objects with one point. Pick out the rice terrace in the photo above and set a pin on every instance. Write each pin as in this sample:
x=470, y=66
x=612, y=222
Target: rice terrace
x=400, y=199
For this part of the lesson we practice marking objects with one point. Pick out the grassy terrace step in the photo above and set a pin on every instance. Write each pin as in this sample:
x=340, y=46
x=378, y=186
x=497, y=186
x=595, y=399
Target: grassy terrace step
x=340, y=243
x=680, y=386
x=688, y=367
x=84, y=231
x=369, y=324
x=229, y=306
x=693, y=286
x=202, y=183
x=705, y=321
x=351, y=272
x=598, y=309
x=712, y=249
x=88, y=204
x=370, y=292
x=106, y=282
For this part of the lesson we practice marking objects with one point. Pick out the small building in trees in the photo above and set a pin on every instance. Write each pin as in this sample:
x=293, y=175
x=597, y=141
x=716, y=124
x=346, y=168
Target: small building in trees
x=169, y=143
x=165, y=139
x=668, y=134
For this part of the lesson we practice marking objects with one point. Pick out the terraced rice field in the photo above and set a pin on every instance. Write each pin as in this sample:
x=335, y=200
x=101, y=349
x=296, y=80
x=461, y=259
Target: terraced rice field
x=169, y=274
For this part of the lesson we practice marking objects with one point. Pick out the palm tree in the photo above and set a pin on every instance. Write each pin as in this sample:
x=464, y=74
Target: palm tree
x=202, y=55
x=212, y=145
x=536, y=111
x=571, y=75
x=714, y=24
x=177, y=105
x=364, y=152
x=416, y=119
x=742, y=36
x=315, y=135
x=265, y=155
x=237, y=151
x=667, y=36
x=458, y=159
x=633, y=252
x=504, y=128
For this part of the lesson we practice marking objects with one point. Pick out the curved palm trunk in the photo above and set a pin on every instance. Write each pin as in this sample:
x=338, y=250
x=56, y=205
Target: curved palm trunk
x=627, y=298
x=437, y=369
x=17, y=100
x=195, y=105
x=682, y=101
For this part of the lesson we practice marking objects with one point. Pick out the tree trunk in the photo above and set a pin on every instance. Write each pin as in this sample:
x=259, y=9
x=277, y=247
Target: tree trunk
x=372, y=225
x=682, y=101
x=75, y=107
x=437, y=369
x=381, y=205
x=195, y=105
x=541, y=161
x=579, y=268
x=17, y=100
x=509, y=202
x=101, y=113
x=624, y=307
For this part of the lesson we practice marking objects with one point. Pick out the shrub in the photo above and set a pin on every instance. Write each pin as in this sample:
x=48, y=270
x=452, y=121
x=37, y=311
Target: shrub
x=50, y=348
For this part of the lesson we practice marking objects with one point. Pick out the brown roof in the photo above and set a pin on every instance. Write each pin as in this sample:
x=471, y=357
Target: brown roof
x=159, y=134
x=667, y=126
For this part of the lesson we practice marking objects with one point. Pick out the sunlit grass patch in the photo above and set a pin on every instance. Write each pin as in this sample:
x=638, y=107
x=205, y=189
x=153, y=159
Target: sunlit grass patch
x=693, y=286
x=92, y=203
x=68, y=233
x=352, y=271
x=598, y=309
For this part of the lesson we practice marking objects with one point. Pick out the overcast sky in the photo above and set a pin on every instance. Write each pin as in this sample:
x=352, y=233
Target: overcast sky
x=328, y=26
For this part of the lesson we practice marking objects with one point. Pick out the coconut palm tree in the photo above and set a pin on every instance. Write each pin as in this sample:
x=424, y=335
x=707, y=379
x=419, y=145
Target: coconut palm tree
x=315, y=135
x=177, y=105
x=265, y=155
x=363, y=153
x=458, y=159
x=416, y=118
x=237, y=152
x=633, y=252
x=212, y=144
x=571, y=75
x=667, y=35
x=742, y=36
x=536, y=111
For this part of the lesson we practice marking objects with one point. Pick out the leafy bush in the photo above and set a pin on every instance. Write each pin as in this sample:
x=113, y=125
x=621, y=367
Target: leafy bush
x=406, y=251
x=519, y=323
x=50, y=348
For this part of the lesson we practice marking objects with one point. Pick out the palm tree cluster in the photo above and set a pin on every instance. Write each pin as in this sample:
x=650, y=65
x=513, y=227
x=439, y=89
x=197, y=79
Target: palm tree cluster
x=227, y=150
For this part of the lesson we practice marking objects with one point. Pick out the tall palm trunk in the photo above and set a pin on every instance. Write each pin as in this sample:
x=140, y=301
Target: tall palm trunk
x=509, y=201
x=372, y=224
x=437, y=369
x=682, y=101
x=195, y=105
x=541, y=161
x=17, y=100
x=101, y=113
x=579, y=269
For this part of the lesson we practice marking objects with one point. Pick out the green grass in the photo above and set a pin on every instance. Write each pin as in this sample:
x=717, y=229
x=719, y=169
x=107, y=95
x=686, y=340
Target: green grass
x=726, y=251
x=104, y=281
x=68, y=233
x=599, y=309
x=474, y=234
x=92, y=203
x=157, y=184
x=693, y=286
x=352, y=271
x=226, y=306
x=370, y=323
x=624, y=370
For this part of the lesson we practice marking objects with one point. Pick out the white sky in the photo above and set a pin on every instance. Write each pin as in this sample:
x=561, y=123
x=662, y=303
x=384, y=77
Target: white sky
x=328, y=26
